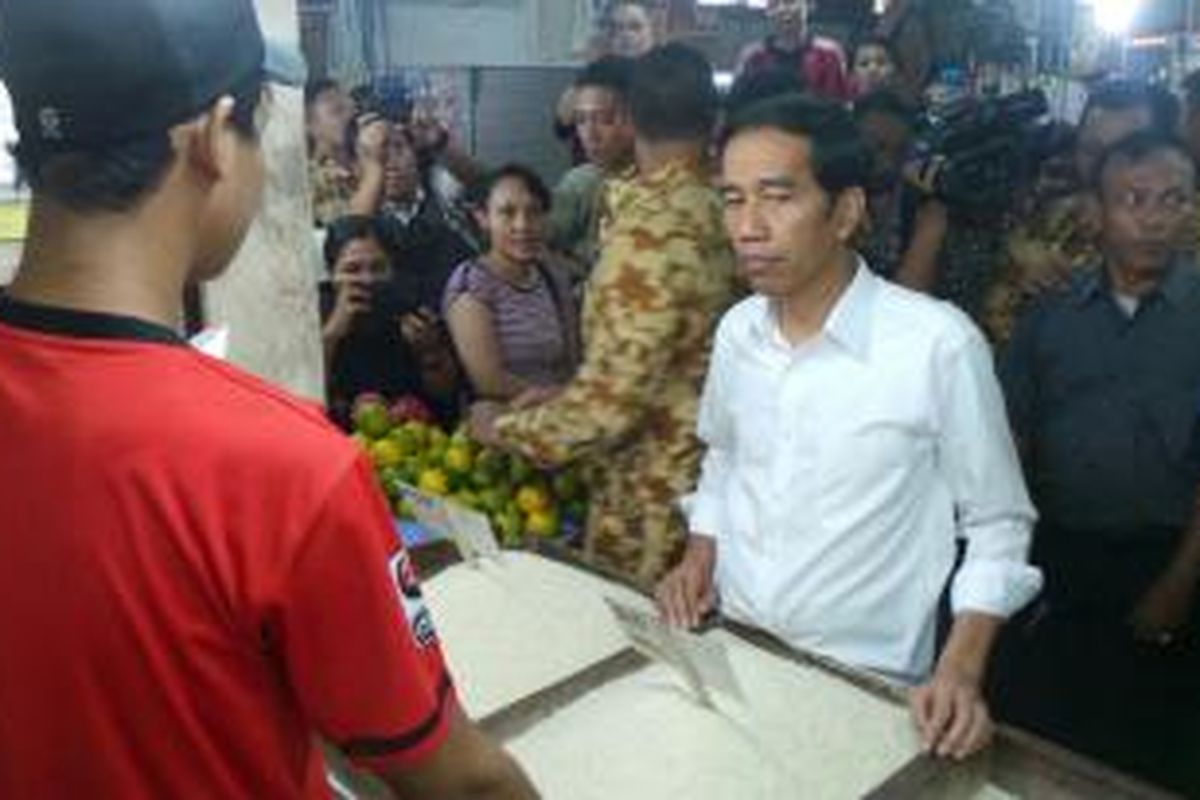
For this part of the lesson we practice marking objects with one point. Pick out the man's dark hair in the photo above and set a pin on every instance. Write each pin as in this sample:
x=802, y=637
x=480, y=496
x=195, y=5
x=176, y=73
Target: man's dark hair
x=1122, y=94
x=479, y=194
x=840, y=160
x=1136, y=148
x=873, y=40
x=114, y=178
x=649, y=6
x=314, y=89
x=673, y=95
x=344, y=230
x=613, y=73
x=755, y=85
x=887, y=103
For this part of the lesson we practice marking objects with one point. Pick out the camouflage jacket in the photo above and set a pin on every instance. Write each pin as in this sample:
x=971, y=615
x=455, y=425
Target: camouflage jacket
x=1062, y=227
x=664, y=276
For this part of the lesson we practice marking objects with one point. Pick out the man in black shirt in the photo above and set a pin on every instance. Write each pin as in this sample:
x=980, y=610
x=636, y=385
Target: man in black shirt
x=1102, y=381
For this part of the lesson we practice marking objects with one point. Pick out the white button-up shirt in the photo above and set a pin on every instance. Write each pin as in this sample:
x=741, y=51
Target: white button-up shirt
x=839, y=474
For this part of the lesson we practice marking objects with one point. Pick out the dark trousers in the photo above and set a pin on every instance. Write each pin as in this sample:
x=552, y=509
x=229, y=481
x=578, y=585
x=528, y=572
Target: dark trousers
x=1069, y=668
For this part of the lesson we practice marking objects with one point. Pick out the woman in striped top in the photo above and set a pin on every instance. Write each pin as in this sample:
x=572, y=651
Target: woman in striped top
x=511, y=314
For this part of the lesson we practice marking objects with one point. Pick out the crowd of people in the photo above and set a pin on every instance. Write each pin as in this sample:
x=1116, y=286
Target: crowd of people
x=851, y=430
x=808, y=387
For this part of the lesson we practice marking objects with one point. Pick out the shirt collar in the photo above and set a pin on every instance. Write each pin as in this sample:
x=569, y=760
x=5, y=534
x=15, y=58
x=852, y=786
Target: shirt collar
x=73, y=323
x=1175, y=287
x=407, y=212
x=849, y=321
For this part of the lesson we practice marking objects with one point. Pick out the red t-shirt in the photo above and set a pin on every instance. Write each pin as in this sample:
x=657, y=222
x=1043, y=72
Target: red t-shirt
x=820, y=65
x=198, y=575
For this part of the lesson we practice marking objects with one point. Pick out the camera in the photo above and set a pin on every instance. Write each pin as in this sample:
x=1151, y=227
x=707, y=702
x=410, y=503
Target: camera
x=979, y=152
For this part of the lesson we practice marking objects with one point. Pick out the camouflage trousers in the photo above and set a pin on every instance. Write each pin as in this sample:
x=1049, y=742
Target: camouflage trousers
x=634, y=526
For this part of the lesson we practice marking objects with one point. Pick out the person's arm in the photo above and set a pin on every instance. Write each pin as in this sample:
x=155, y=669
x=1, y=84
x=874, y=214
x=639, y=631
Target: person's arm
x=468, y=766
x=474, y=334
x=949, y=710
x=687, y=593
x=978, y=460
x=918, y=268
x=642, y=299
x=1167, y=607
x=360, y=652
x=352, y=299
x=371, y=149
x=1017, y=370
x=434, y=354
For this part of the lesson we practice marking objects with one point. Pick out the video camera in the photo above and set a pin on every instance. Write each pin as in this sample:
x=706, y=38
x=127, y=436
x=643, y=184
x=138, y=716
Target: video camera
x=976, y=153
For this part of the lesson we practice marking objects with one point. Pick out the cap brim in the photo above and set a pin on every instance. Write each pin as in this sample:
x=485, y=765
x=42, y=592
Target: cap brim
x=283, y=64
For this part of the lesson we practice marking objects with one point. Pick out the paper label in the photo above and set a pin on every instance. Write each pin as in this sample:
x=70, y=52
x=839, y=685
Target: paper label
x=470, y=531
x=703, y=664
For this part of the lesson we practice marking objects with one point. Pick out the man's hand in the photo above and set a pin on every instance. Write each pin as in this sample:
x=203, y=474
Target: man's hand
x=1165, y=610
x=429, y=136
x=1039, y=268
x=482, y=423
x=951, y=715
x=422, y=331
x=371, y=144
x=535, y=396
x=353, y=299
x=687, y=593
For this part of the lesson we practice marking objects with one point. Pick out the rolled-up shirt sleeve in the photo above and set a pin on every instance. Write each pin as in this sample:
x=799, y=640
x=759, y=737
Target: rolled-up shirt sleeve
x=980, y=464
x=704, y=508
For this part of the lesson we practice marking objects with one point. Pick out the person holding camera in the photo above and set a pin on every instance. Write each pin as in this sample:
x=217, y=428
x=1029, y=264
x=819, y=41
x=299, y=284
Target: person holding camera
x=346, y=156
x=378, y=337
x=1061, y=235
x=426, y=233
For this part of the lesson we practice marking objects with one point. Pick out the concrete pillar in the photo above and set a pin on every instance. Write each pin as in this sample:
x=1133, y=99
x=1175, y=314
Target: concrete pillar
x=268, y=298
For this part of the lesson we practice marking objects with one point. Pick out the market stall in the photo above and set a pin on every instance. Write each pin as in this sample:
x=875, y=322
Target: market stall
x=545, y=665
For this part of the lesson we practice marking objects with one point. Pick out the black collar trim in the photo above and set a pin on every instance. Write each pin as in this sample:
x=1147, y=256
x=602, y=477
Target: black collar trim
x=76, y=324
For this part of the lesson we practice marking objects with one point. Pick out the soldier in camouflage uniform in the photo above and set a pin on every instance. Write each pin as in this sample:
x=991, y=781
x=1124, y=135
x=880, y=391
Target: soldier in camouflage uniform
x=664, y=276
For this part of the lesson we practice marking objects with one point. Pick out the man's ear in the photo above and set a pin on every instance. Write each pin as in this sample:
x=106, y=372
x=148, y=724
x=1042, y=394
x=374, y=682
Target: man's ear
x=209, y=141
x=849, y=213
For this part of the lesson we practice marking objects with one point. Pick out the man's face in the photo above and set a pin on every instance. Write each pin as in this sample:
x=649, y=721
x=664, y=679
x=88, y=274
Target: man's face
x=363, y=261
x=787, y=231
x=1100, y=130
x=604, y=126
x=789, y=17
x=873, y=67
x=1145, y=206
x=329, y=117
x=632, y=33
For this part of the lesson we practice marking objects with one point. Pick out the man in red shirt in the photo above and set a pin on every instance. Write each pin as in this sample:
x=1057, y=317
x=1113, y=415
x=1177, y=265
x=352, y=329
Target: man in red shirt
x=199, y=574
x=818, y=62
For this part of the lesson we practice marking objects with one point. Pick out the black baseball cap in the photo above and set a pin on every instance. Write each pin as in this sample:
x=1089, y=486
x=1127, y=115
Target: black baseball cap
x=90, y=73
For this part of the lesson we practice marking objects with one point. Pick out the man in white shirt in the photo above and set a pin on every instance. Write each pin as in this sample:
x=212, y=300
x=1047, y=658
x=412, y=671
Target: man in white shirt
x=855, y=431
